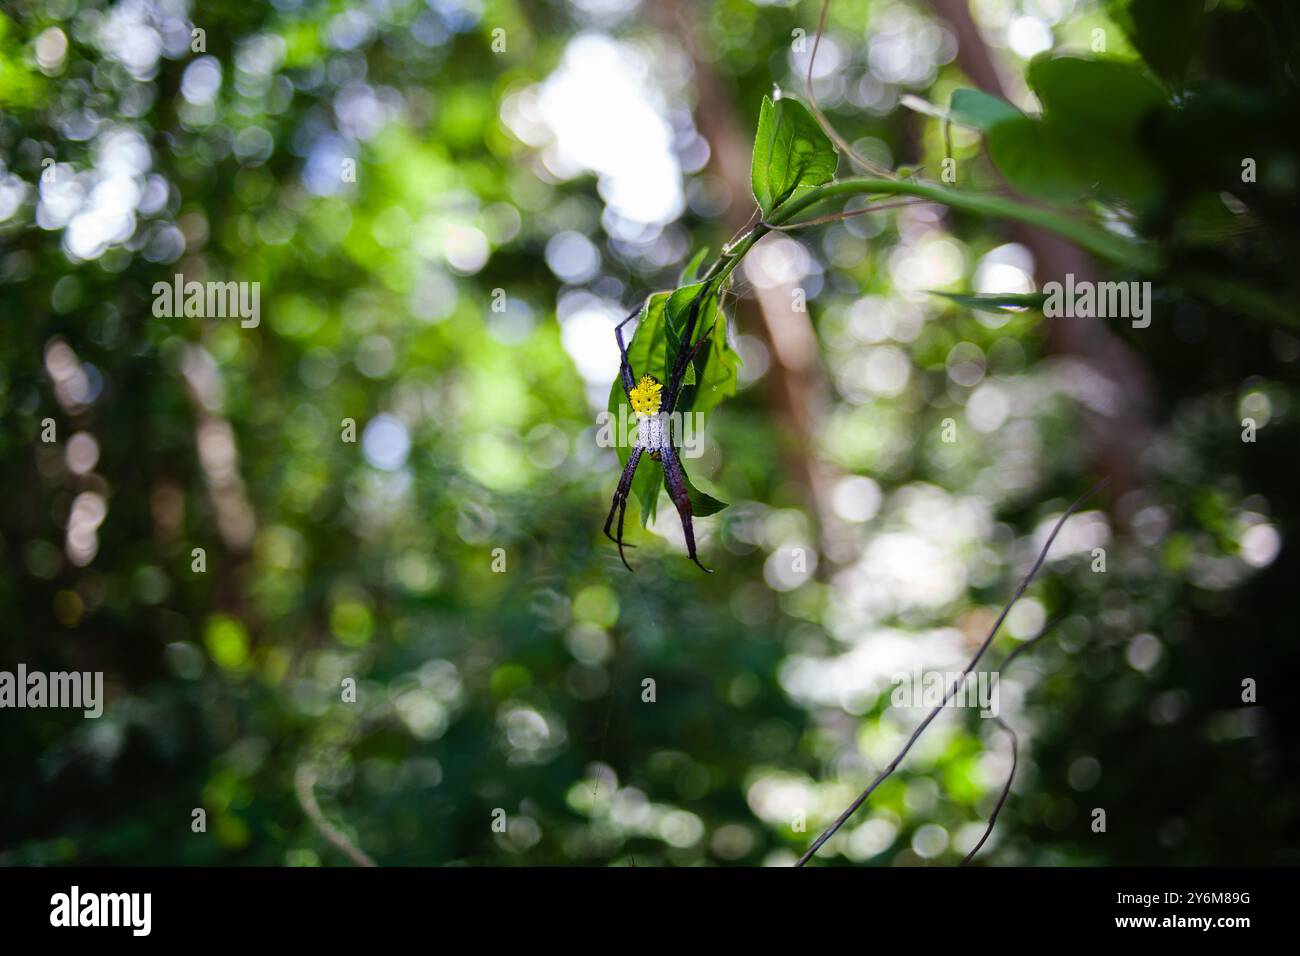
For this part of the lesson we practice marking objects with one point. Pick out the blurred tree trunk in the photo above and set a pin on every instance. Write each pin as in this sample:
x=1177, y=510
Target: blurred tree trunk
x=1120, y=427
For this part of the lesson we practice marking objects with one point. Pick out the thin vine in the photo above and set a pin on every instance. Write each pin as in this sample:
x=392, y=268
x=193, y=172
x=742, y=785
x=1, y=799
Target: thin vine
x=921, y=728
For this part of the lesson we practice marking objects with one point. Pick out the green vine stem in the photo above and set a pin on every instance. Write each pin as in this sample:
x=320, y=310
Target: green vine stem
x=1107, y=245
x=1101, y=242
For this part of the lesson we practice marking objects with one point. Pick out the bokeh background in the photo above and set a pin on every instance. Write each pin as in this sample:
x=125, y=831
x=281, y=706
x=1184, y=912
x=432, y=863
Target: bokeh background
x=562, y=160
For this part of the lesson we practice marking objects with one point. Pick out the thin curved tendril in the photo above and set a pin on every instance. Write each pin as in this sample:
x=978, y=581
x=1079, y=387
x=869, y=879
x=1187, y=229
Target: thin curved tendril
x=1095, y=239
x=898, y=758
x=847, y=214
x=1102, y=243
x=1006, y=791
x=1015, y=744
x=824, y=123
x=740, y=234
x=305, y=786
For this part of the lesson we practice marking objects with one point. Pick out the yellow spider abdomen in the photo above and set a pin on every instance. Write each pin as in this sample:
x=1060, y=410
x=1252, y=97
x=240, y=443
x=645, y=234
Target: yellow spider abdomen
x=645, y=396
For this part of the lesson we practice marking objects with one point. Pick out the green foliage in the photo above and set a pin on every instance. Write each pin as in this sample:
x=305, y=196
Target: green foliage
x=1087, y=140
x=691, y=271
x=1034, y=158
x=20, y=86
x=1164, y=32
x=1094, y=94
x=791, y=153
x=519, y=688
x=711, y=376
x=703, y=504
x=684, y=302
x=979, y=110
x=996, y=303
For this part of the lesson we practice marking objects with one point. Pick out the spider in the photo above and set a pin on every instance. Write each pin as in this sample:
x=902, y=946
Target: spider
x=652, y=404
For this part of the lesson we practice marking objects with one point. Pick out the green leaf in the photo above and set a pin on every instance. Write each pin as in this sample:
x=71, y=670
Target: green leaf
x=1096, y=96
x=1088, y=138
x=791, y=153
x=1095, y=108
x=712, y=376
x=1032, y=158
x=645, y=488
x=981, y=111
x=677, y=313
x=703, y=504
x=692, y=270
x=996, y=302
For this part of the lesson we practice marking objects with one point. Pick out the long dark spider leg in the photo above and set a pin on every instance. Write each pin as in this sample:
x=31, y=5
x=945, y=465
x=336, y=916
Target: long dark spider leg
x=625, y=366
x=676, y=483
x=619, y=503
x=624, y=487
x=684, y=357
x=694, y=315
x=622, y=511
x=679, y=371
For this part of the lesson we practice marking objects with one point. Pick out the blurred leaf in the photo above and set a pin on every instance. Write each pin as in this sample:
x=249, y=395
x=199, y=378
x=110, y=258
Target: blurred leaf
x=1088, y=138
x=1095, y=108
x=979, y=110
x=20, y=84
x=1165, y=32
x=1030, y=156
x=996, y=302
x=1094, y=95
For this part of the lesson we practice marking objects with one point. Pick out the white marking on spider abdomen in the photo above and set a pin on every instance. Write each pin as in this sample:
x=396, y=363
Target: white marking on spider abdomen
x=652, y=431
